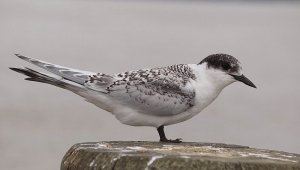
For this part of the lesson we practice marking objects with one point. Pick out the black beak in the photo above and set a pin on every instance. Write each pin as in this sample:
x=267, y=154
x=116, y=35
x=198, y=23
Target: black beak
x=244, y=79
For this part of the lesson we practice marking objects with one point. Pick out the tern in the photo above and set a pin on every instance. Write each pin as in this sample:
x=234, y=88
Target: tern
x=154, y=97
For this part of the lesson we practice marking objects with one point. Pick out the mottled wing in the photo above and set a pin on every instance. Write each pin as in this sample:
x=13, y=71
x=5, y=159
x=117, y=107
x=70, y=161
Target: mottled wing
x=161, y=91
x=99, y=82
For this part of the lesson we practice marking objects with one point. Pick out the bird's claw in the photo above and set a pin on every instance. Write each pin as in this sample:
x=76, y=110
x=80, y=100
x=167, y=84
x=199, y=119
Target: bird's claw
x=178, y=140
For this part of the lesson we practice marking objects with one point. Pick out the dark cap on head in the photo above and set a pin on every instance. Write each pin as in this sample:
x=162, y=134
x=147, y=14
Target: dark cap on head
x=224, y=62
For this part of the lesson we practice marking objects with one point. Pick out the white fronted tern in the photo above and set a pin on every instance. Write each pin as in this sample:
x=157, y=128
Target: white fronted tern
x=147, y=97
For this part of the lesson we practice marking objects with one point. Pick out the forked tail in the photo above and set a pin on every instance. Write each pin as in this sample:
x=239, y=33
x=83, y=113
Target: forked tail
x=63, y=77
x=40, y=77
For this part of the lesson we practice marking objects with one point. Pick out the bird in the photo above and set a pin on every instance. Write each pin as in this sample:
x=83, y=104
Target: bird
x=155, y=97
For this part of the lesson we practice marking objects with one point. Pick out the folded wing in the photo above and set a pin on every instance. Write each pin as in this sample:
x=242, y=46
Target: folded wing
x=160, y=91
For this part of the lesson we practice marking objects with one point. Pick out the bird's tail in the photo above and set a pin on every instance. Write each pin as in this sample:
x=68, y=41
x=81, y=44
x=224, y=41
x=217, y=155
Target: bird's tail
x=40, y=77
x=63, y=77
x=74, y=75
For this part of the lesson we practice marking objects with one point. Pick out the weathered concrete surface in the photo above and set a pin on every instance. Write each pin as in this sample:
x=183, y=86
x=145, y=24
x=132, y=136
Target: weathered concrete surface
x=154, y=155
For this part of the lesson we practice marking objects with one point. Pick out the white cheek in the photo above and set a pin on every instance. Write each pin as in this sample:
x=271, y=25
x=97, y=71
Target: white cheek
x=220, y=77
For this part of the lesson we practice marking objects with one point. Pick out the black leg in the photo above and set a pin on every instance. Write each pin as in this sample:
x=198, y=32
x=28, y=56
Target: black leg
x=161, y=133
x=163, y=138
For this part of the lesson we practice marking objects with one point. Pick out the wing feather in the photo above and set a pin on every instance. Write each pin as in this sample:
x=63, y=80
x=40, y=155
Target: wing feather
x=159, y=91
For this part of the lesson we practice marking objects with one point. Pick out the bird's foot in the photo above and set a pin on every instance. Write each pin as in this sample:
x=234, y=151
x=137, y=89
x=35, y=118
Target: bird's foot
x=178, y=140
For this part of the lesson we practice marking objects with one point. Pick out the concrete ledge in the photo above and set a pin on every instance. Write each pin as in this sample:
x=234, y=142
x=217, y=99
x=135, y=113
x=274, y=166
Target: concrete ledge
x=155, y=155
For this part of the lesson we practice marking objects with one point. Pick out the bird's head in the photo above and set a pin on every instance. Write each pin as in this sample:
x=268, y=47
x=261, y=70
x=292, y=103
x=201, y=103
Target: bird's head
x=225, y=69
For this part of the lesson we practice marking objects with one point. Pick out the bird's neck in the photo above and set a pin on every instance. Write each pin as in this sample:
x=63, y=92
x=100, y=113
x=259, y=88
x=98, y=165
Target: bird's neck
x=210, y=78
x=206, y=86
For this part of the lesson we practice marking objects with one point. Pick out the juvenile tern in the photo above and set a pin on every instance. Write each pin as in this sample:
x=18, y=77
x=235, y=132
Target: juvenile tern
x=154, y=97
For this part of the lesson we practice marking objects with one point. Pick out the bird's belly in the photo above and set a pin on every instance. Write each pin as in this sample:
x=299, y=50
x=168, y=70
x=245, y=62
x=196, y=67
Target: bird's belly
x=131, y=117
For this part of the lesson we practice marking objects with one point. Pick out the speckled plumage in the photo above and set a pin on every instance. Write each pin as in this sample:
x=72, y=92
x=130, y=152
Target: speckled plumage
x=151, y=90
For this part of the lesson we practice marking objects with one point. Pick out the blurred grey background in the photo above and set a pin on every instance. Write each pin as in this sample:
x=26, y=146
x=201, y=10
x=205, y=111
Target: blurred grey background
x=39, y=123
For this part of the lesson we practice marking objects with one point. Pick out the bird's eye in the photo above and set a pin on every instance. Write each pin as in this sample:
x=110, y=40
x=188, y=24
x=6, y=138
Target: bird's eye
x=226, y=66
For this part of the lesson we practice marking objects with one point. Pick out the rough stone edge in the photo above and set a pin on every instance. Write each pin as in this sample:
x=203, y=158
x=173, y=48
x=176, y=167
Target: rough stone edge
x=120, y=160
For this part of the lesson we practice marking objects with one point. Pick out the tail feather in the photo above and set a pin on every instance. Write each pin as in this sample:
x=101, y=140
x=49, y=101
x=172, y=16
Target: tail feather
x=40, y=77
x=74, y=75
